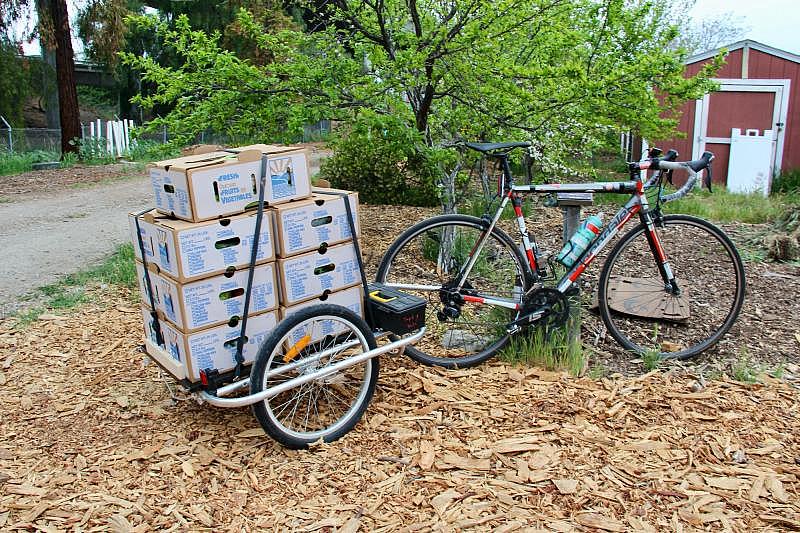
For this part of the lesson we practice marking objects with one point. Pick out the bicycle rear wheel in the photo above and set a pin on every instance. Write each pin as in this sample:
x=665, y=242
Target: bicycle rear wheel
x=427, y=259
x=643, y=316
x=308, y=342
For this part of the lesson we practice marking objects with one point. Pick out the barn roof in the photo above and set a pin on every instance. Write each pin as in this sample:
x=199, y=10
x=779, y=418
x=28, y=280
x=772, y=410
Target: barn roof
x=747, y=43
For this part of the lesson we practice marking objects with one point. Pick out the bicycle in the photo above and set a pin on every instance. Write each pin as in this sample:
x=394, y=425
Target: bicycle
x=655, y=292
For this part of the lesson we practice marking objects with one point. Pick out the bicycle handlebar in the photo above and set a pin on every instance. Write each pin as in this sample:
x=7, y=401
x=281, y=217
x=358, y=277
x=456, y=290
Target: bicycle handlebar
x=691, y=168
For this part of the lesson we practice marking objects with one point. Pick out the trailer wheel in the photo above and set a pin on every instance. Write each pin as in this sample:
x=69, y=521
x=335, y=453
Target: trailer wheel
x=314, y=401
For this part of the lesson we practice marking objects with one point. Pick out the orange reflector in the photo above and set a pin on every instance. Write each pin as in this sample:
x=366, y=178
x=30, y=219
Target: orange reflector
x=294, y=350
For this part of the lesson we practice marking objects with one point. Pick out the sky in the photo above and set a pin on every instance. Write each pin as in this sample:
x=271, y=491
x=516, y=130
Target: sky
x=772, y=22
x=775, y=23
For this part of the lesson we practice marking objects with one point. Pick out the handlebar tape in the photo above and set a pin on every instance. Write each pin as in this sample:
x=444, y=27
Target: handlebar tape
x=691, y=167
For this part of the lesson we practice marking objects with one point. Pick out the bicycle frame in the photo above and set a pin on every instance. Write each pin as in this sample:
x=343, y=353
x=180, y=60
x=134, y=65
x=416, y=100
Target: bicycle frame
x=637, y=204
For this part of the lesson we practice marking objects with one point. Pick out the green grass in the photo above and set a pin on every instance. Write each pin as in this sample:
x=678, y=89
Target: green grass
x=117, y=269
x=651, y=360
x=553, y=350
x=719, y=206
x=744, y=370
x=16, y=162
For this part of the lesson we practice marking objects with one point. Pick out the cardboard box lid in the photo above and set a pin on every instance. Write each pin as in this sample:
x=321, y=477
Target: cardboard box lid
x=215, y=159
x=166, y=164
x=269, y=149
x=176, y=224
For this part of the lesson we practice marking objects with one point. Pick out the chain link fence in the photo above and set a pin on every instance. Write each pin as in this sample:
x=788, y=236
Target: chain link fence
x=29, y=139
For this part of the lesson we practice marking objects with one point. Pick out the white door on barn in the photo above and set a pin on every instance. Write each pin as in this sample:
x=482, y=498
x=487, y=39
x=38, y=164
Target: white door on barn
x=746, y=104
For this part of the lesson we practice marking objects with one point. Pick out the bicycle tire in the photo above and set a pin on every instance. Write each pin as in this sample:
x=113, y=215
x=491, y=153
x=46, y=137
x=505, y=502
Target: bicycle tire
x=352, y=387
x=409, y=259
x=710, y=275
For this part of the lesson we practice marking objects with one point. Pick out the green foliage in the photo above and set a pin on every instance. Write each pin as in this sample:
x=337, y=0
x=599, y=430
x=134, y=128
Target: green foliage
x=14, y=83
x=787, y=182
x=146, y=151
x=560, y=74
x=744, y=369
x=101, y=100
x=92, y=151
x=553, y=350
x=385, y=161
x=651, y=360
x=722, y=206
x=16, y=162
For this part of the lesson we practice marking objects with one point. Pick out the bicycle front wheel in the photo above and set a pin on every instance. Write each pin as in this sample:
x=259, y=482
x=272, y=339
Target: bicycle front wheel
x=427, y=260
x=644, y=316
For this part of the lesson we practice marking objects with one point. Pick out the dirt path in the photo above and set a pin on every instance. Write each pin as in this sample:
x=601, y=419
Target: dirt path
x=56, y=222
x=47, y=237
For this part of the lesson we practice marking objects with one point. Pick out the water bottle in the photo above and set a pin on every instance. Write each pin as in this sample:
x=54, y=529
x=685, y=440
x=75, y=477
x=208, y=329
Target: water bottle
x=580, y=241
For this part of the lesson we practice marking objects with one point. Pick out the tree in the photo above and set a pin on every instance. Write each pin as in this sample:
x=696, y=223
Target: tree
x=65, y=73
x=561, y=73
x=53, y=28
x=14, y=83
x=698, y=35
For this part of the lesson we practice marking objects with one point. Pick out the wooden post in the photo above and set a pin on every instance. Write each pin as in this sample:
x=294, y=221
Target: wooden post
x=570, y=204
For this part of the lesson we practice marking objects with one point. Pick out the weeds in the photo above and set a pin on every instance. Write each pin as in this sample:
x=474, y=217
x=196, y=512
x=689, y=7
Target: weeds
x=118, y=269
x=597, y=371
x=651, y=360
x=16, y=162
x=744, y=370
x=553, y=350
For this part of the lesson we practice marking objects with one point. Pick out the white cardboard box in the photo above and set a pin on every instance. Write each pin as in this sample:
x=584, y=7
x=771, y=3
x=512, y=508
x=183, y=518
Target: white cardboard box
x=214, y=347
x=352, y=298
x=287, y=172
x=186, y=252
x=319, y=221
x=206, y=186
x=210, y=301
x=313, y=274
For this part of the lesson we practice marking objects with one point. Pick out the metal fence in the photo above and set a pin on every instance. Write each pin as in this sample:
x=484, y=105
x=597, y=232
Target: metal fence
x=28, y=139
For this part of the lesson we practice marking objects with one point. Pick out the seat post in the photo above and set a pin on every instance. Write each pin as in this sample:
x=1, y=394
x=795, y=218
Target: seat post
x=508, y=178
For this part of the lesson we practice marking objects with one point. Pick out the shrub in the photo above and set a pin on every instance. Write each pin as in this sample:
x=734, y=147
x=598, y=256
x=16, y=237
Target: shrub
x=787, y=182
x=385, y=161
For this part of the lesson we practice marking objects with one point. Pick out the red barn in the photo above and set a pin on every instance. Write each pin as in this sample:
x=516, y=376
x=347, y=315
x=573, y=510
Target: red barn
x=759, y=95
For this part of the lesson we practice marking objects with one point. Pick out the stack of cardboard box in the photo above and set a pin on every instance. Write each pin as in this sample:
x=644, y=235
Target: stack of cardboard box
x=197, y=245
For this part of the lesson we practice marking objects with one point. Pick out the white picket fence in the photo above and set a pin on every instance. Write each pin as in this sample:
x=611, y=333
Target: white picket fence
x=115, y=133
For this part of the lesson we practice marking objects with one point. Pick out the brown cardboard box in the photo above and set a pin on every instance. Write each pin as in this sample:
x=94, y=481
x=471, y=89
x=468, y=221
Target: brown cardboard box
x=186, y=252
x=306, y=225
x=186, y=354
x=305, y=276
x=210, y=301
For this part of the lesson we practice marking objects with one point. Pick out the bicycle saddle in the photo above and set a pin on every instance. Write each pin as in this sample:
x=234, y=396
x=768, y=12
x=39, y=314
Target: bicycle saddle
x=491, y=147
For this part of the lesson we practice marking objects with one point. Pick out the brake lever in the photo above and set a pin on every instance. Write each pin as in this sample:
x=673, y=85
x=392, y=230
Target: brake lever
x=707, y=178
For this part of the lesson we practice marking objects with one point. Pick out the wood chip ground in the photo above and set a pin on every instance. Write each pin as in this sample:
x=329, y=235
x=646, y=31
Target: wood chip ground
x=92, y=440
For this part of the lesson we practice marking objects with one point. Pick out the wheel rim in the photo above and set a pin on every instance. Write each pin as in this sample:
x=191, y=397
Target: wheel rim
x=709, y=276
x=321, y=407
x=423, y=260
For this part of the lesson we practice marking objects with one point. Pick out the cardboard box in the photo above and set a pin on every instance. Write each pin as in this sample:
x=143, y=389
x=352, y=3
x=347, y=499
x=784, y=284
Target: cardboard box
x=287, y=172
x=313, y=274
x=210, y=301
x=352, y=298
x=309, y=224
x=214, y=347
x=187, y=252
x=206, y=186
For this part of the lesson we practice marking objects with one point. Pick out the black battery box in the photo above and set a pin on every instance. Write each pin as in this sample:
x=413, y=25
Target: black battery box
x=394, y=310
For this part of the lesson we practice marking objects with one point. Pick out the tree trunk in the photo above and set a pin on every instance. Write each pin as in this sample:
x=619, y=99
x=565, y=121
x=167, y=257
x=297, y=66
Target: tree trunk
x=65, y=73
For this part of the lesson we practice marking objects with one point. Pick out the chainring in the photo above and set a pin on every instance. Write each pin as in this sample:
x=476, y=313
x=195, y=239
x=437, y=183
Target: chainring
x=553, y=302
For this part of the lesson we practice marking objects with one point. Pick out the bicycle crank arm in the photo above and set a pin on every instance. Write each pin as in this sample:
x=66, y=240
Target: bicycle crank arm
x=525, y=320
